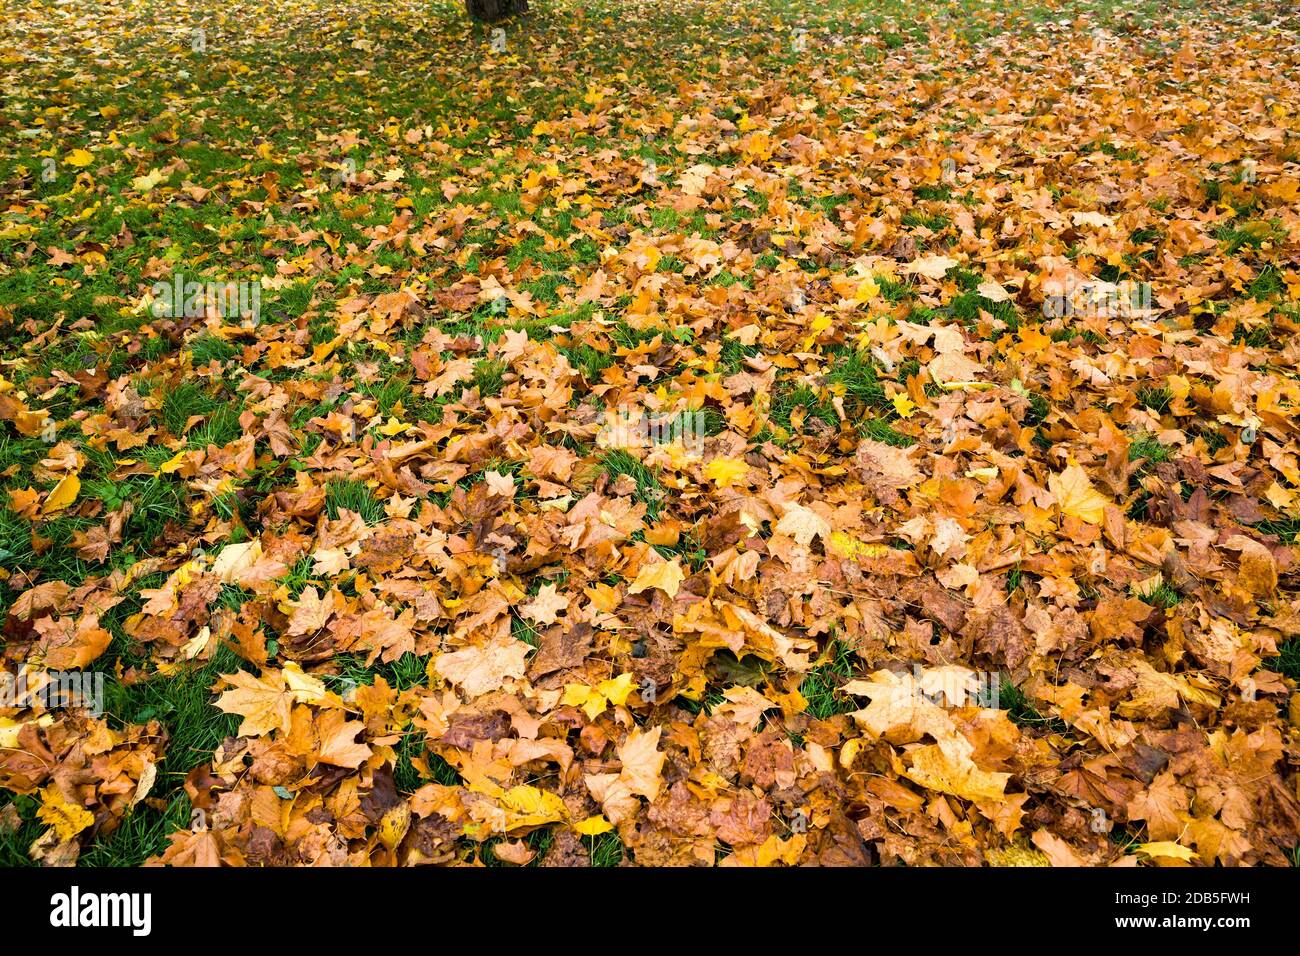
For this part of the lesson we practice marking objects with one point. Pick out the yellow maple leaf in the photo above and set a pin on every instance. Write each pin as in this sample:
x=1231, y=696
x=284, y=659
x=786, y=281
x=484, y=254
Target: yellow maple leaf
x=932, y=267
x=305, y=688
x=594, y=826
x=68, y=819
x=79, y=158
x=10, y=729
x=527, y=806
x=905, y=407
x=19, y=230
x=667, y=576
x=174, y=464
x=1167, y=849
x=845, y=545
x=591, y=701
x=725, y=472
x=594, y=700
x=235, y=559
x=617, y=689
x=819, y=325
x=770, y=852
x=1076, y=496
x=935, y=768
x=642, y=763
x=803, y=524
x=1180, y=387
x=148, y=181
x=866, y=291
x=394, y=825
x=325, y=349
x=263, y=702
x=62, y=495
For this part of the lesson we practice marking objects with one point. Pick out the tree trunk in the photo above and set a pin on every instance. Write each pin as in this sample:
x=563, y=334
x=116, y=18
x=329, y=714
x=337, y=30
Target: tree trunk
x=489, y=11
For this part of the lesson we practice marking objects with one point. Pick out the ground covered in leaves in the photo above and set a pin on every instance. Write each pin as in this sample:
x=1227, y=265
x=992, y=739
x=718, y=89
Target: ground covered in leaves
x=895, y=558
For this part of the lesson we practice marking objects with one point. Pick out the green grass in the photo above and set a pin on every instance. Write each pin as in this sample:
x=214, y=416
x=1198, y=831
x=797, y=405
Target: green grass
x=1155, y=399
x=489, y=377
x=1287, y=662
x=694, y=555
x=14, y=843
x=879, y=430
x=1015, y=577
x=733, y=354
x=343, y=494
x=934, y=223
x=157, y=503
x=182, y=402
x=588, y=360
x=183, y=703
x=219, y=429
x=299, y=576
x=268, y=160
x=1039, y=409
x=605, y=849
x=525, y=631
x=786, y=399
x=142, y=834
x=1146, y=448
x=821, y=685
x=855, y=376
x=1267, y=284
x=1161, y=596
x=648, y=489
x=1287, y=529
x=1023, y=713
x=208, y=348
x=539, y=841
x=387, y=394
x=407, y=777
x=1252, y=235
x=405, y=672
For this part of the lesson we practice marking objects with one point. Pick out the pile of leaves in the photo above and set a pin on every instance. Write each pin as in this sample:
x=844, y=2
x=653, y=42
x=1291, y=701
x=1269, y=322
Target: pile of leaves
x=904, y=552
